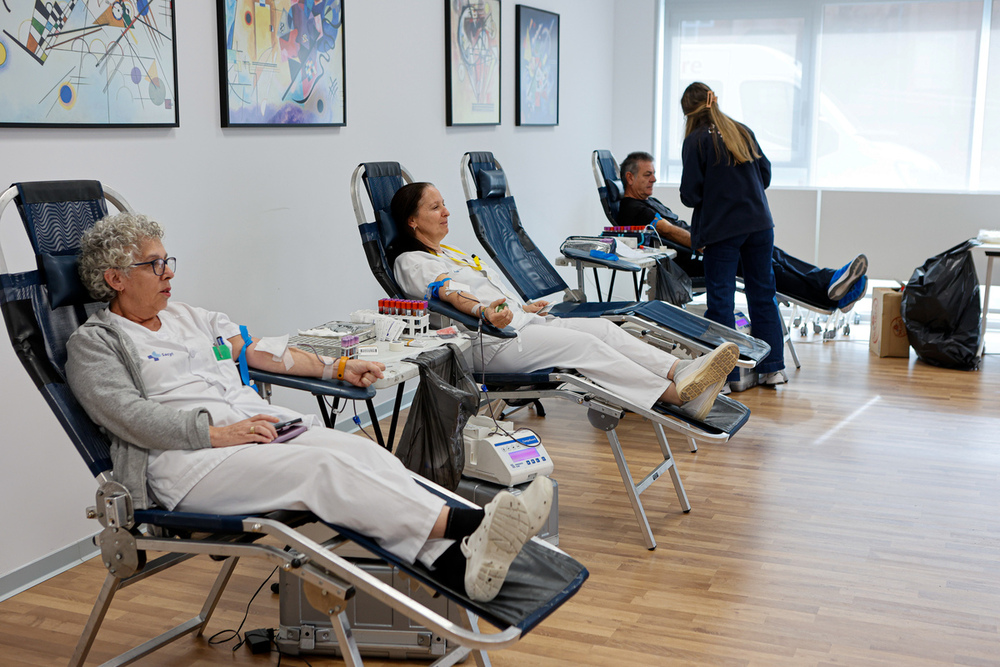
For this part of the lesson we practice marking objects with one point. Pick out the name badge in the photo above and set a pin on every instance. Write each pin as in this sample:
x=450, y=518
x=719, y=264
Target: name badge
x=221, y=350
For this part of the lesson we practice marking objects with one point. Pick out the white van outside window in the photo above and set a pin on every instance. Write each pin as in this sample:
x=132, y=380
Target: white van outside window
x=867, y=94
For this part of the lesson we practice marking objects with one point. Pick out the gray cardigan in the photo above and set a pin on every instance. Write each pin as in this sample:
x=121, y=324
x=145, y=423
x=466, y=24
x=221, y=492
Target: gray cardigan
x=103, y=371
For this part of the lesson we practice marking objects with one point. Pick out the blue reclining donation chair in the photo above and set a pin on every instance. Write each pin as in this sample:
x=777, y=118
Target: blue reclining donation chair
x=498, y=227
x=43, y=306
x=497, y=224
x=380, y=181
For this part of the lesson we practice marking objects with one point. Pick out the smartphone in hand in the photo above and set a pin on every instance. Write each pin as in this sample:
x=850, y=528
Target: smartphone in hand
x=284, y=426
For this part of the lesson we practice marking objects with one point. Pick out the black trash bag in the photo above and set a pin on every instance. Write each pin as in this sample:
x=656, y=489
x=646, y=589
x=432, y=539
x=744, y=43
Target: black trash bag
x=431, y=444
x=941, y=309
x=672, y=284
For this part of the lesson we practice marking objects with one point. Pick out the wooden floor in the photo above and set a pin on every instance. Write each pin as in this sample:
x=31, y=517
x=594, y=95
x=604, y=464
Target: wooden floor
x=855, y=520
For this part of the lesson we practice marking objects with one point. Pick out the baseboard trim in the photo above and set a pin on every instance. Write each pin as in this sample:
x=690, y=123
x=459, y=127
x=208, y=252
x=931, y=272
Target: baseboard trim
x=47, y=567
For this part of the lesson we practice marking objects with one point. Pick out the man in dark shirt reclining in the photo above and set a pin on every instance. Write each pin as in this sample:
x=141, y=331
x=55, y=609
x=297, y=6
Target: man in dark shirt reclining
x=827, y=288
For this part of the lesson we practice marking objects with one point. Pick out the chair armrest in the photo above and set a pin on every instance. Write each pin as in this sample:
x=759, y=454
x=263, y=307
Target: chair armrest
x=578, y=255
x=469, y=321
x=316, y=386
x=682, y=250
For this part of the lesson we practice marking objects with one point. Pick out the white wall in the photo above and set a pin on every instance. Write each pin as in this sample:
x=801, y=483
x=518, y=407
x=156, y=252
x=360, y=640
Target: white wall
x=261, y=220
x=634, y=71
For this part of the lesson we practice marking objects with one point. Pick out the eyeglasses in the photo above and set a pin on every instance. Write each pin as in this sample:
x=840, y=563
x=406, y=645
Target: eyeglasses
x=160, y=264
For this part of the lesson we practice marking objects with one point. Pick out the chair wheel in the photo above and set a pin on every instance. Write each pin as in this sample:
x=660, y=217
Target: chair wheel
x=817, y=328
x=803, y=331
x=797, y=321
x=829, y=335
x=857, y=318
x=847, y=329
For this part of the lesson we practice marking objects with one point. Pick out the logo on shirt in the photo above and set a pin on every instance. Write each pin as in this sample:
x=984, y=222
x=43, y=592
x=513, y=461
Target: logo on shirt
x=156, y=356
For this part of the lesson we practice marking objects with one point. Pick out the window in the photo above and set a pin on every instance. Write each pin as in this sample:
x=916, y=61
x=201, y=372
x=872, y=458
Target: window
x=987, y=167
x=843, y=94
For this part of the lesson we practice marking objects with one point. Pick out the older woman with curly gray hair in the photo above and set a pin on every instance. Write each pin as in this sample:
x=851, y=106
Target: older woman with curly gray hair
x=186, y=433
x=115, y=245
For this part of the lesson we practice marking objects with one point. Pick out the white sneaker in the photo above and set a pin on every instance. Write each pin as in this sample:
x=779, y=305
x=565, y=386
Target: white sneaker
x=699, y=408
x=509, y=522
x=707, y=371
x=773, y=379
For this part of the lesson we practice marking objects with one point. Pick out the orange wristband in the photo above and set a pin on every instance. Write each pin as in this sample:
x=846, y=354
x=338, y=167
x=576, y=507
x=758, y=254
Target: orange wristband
x=340, y=368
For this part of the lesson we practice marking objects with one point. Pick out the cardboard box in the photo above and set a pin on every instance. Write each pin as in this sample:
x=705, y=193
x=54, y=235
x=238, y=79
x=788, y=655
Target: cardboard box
x=888, y=337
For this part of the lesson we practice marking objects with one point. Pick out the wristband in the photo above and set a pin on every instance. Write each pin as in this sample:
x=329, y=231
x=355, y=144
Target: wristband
x=477, y=310
x=341, y=367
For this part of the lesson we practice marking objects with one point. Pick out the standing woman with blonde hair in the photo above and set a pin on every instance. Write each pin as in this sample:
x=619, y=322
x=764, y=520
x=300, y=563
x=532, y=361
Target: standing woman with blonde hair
x=724, y=177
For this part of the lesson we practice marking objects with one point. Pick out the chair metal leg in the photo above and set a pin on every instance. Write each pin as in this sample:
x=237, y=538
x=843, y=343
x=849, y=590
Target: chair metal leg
x=668, y=456
x=788, y=341
x=631, y=489
x=196, y=624
x=692, y=443
x=108, y=590
x=215, y=594
x=580, y=282
x=375, y=424
x=395, y=415
x=329, y=416
x=611, y=287
x=345, y=640
x=597, y=281
x=469, y=621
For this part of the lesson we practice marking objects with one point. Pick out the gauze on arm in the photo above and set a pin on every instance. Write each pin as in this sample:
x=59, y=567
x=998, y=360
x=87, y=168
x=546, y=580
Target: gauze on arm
x=277, y=347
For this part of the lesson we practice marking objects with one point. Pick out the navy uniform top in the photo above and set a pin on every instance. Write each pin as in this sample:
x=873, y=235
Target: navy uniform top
x=728, y=200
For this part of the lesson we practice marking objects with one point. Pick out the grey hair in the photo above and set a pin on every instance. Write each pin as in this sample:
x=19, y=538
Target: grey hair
x=113, y=243
x=630, y=165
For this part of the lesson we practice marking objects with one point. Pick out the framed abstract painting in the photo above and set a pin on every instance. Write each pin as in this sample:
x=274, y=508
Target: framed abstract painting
x=88, y=63
x=282, y=62
x=537, y=67
x=472, y=62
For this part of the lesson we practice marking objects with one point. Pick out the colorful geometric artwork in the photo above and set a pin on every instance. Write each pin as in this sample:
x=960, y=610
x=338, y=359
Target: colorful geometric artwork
x=472, y=62
x=282, y=62
x=537, y=67
x=88, y=63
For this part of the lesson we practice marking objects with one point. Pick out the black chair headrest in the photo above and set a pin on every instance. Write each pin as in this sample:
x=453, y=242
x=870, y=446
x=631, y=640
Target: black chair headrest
x=62, y=277
x=492, y=184
x=55, y=215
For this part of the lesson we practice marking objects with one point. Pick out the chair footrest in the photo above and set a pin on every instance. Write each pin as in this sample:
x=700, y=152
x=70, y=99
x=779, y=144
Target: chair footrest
x=727, y=416
x=540, y=579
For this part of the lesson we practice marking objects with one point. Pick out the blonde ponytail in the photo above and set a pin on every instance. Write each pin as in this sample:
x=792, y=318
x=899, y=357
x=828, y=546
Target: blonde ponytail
x=700, y=106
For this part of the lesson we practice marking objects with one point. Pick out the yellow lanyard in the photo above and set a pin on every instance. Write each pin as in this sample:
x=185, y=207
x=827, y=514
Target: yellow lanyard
x=475, y=263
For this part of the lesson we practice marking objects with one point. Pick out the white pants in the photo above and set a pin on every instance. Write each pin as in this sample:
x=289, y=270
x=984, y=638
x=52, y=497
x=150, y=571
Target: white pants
x=597, y=348
x=344, y=479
